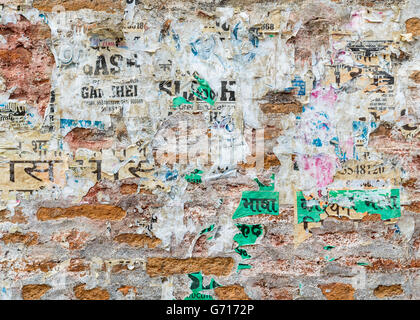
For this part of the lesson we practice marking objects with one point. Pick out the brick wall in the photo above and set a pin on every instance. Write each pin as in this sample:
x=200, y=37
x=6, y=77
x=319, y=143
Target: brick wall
x=133, y=133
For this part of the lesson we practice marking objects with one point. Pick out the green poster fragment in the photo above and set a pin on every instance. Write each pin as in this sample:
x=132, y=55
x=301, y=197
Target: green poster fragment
x=308, y=210
x=257, y=202
x=385, y=202
x=242, y=266
x=197, y=282
x=199, y=296
x=249, y=233
x=194, y=177
x=197, y=286
x=202, y=90
x=362, y=263
x=263, y=187
x=242, y=253
x=176, y=102
x=329, y=247
x=206, y=230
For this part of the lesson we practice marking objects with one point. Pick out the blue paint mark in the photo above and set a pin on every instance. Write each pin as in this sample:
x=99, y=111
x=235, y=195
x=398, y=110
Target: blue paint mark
x=193, y=49
x=254, y=40
x=203, y=48
x=361, y=127
x=251, y=56
x=361, y=131
x=307, y=107
x=320, y=125
x=226, y=123
x=317, y=142
x=334, y=140
x=70, y=123
x=297, y=82
x=175, y=36
x=44, y=18
x=339, y=153
x=246, y=58
x=171, y=175
x=235, y=31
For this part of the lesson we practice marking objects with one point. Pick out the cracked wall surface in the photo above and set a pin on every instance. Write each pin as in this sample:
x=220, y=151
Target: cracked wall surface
x=207, y=150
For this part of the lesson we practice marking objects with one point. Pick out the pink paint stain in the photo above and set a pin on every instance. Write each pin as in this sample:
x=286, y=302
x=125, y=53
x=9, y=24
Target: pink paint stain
x=326, y=95
x=321, y=168
x=347, y=147
x=356, y=19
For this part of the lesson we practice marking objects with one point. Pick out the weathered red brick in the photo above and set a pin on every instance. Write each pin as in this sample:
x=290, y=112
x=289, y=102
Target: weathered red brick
x=415, y=76
x=34, y=291
x=97, y=212
x=413, y=207
x=126, y=289
x=138, y=240
x=92, y=294
x=77, y=265
x=74, y=5
x=232, y=292
x=412, y=25
x=73, y=239
x=27, y=67
x=337, y=291
x=388, y=291
x=128, y=188
x=219, y=266
x=92, y=139
x=28, y=239
x=17, y=217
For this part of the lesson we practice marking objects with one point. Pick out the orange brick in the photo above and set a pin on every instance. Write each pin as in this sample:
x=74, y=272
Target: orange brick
x=168, y=266
x=128, y=188
x=126, y=289
x=388, y=291
x=412, y=25
x=138, y=240
x=98, y=212
x=337, y=291
x=93, y=294
x=28, y=239
x=232, y=292
x=74, y=5
x=34, y=291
